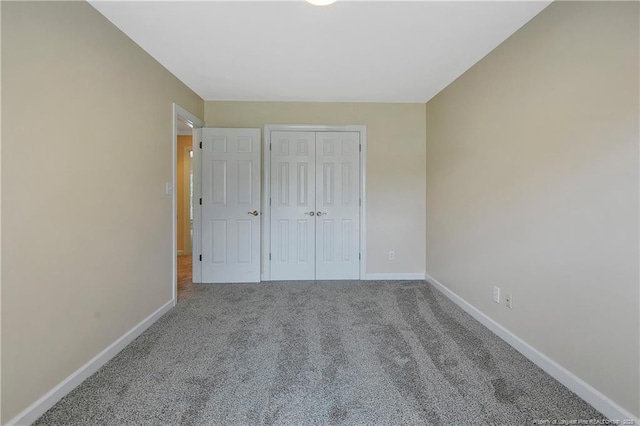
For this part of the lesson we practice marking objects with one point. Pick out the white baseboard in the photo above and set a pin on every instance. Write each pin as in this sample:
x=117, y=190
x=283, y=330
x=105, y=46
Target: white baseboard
x=394, y=277
x=383, y=277
x=581, y=388
x=48, y=400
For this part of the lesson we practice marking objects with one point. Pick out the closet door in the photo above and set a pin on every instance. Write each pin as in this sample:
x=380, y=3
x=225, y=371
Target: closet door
x=293, y=225
x=337, y=205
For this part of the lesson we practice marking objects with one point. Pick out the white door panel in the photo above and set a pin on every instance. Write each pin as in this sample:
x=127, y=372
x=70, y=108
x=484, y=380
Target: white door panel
x=337, y=205
x=292, y=189
x=315, y=205
x=230, y=194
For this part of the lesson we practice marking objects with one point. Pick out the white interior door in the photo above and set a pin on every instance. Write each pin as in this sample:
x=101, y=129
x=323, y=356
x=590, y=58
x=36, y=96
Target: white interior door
x=337, y=205
x=292, y=186
x=230, y=205
x=315, y=205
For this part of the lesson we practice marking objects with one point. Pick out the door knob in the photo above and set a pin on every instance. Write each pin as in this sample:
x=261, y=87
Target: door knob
x=310, y=213
x=254, y=213
x=320, y=214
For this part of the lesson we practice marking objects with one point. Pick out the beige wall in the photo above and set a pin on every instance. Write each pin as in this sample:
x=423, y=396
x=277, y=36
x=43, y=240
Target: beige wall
x=86, y=151
x=532, y=185
x=182, y=193
x=395, y=167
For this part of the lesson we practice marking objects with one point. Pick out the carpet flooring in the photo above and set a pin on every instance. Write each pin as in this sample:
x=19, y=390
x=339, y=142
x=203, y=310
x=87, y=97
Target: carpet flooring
x=317, y=353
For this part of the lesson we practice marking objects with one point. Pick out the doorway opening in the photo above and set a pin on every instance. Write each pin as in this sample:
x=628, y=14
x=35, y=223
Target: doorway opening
x=184, y=201
x=185, y=131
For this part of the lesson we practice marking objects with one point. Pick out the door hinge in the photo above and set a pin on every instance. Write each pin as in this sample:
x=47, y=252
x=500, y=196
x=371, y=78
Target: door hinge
x=200, y=144
x=269, y=200
x=269, y=256
x=360, y=147
x=360, y=202
x=200, y=201
x=359, y=256
x=269, y=146
x=200, y=258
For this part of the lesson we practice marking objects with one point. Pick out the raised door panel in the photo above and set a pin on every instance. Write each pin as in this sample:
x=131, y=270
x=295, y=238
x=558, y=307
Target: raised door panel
x=292, y=205
x=230, y=192
x=337, y=205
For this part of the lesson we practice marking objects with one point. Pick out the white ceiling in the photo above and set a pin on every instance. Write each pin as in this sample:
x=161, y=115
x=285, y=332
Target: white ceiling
x=184, y=127
x=375, y=51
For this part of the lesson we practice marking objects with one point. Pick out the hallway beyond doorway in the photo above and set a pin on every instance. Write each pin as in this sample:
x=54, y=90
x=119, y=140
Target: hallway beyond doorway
x=185, y=278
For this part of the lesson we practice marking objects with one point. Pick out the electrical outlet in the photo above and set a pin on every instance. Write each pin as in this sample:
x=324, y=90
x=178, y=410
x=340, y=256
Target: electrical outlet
x=392, y=255
x=507, y=299
x=496, y=294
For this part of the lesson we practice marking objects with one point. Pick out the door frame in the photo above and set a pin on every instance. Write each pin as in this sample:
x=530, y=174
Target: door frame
x=266, y=187
x=178, y=111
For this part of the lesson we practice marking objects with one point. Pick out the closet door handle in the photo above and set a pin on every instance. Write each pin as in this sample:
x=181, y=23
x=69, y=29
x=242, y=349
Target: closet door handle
x=320, y=214
x=254, y=213
x=310, y=213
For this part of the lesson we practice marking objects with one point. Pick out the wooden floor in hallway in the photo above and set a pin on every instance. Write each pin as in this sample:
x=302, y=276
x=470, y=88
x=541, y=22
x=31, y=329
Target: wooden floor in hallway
x=184, y=272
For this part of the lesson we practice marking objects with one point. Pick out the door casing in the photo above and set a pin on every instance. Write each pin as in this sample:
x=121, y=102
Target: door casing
x=266, y=187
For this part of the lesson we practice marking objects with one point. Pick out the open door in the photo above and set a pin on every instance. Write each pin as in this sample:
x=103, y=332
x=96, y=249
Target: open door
x=230, y=205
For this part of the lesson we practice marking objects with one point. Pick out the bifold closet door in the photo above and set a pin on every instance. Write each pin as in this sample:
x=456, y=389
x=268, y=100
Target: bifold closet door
x=315, y=205
x=292, y=186
x=337, y=205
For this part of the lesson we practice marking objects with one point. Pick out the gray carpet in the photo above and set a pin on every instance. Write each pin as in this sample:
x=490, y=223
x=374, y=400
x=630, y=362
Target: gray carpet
x=317, y=353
